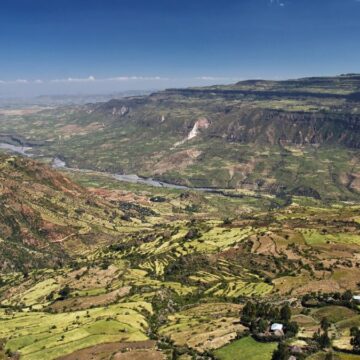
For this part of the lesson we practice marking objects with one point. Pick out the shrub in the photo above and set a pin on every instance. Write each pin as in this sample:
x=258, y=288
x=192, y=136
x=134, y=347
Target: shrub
x=64, y=292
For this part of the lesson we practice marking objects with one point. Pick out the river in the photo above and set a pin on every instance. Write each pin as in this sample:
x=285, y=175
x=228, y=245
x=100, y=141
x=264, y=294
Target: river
x=23, y=150
x=135, y=179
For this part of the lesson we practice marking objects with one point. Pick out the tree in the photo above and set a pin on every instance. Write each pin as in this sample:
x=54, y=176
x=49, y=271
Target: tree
x=227, y=221
x=324, y=340
x=355, y=340
x=347, y=295
x=285, y=313
x=263, y=325
x=64, y=292
x=325, y=324
x=253, y=326
x=329, y=356
x=248, y=312
x=274, y=313
x=292, y=328
x=281, y=353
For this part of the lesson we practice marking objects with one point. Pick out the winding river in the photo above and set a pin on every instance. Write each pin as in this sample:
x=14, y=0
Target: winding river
x=23, y=150
x=135, y=179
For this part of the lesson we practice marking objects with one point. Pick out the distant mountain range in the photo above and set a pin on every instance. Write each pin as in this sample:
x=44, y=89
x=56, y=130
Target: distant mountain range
x=60, y=100
x=280, y=137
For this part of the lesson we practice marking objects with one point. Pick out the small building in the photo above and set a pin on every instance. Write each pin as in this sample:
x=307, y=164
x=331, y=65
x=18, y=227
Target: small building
x=277, y=329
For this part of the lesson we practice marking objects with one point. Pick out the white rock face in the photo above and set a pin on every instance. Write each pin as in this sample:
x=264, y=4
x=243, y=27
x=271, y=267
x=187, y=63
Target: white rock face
x=124, y=110
x=194, y=132
x=201, y=123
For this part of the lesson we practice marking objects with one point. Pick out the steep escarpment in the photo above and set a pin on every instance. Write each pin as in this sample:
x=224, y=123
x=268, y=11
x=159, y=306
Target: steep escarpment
x=306, y=111
x=271, y=127
x=45, y=218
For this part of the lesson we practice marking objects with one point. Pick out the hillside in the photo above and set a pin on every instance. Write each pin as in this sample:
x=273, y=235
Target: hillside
x=297, y=137
x=46, y=219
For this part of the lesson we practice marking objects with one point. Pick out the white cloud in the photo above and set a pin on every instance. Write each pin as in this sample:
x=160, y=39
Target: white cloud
x=70, y=79
x=124, y=78
x=116, y=78
x=205, y=78
x=129, y=78
x=280, y=3
x=20, y=82
x=216, y=78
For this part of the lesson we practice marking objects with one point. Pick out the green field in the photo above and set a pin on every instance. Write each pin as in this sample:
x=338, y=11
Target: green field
x=246, y=349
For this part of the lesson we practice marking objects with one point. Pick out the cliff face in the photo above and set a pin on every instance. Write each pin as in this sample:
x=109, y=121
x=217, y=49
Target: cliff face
x=300, y=112
x=240, y=122
x=297, y=128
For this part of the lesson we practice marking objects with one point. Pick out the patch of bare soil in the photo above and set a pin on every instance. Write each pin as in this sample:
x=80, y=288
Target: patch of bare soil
x=106, y=351
x=211, y=335
x=21, y=112
x=140, y=355
x=264, y=245
x=86, y=302
x=83, y=278
x=179, y=160
x=326, y=286
x=73, y=129
x=120, y=195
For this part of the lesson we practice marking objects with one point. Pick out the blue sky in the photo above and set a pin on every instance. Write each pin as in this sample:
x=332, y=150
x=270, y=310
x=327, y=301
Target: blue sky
x=96, y=46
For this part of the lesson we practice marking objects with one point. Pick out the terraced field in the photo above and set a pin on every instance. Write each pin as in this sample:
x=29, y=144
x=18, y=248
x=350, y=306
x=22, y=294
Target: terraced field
x=38, y=335
x=159, y=274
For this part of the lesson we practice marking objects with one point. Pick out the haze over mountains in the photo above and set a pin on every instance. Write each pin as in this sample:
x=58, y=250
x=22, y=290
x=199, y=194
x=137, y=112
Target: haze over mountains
x=61, y=100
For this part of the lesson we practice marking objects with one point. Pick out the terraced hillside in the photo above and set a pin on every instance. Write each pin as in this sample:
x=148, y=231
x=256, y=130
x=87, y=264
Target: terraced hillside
x=296, y=137
x=153, y=273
